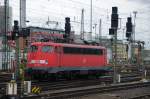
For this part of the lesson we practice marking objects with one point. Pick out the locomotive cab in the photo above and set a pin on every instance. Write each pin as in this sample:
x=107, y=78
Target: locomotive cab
x=40, y=55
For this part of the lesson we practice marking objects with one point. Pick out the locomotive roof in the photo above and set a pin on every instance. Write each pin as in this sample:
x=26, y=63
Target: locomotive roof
x=67, y=45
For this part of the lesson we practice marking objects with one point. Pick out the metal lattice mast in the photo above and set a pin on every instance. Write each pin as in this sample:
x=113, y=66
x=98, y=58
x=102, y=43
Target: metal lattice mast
x=100, y=31
x=5, y=54
x=133, y=39
x=91, y=22
x=22, y=13
x=82, y=24
x=22, y=25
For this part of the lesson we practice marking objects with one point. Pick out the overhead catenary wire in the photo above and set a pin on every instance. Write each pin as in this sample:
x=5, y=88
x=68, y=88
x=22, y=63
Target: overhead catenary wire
x=59, y=9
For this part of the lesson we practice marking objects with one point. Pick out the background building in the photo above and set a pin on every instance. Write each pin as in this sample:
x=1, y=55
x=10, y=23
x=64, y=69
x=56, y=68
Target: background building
x=2, y=19
x=146, y=57
x=5, y=52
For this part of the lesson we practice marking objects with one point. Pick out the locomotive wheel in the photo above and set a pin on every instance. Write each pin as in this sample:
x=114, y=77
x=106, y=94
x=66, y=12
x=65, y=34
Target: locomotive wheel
x=53, y=76
x=46, y=75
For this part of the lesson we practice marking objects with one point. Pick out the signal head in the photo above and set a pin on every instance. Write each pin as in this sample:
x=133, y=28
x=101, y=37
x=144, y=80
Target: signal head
x=114, y=10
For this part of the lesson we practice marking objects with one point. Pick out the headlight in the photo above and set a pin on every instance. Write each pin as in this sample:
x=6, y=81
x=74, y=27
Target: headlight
x=32, y=61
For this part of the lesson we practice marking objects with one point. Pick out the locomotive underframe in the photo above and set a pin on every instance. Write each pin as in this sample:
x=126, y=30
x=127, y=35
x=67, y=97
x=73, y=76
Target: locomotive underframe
x=69, y=73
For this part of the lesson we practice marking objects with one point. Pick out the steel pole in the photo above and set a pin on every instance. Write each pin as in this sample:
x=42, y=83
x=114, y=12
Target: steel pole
x=142, y=64
x=22, y=25
x=115, y=57
x=5, y=54
x=100, y=31
x=133, y=40
x=17, y=57
x=91, y=22
x=95, y=32
x=22, y=13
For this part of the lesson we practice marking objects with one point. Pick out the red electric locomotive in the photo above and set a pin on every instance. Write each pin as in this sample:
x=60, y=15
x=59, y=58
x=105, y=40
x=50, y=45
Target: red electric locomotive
x=56, y=58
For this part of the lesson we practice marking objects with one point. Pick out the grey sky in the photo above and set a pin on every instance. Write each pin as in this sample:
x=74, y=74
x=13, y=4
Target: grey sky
x=39, y=10
x=141, y=1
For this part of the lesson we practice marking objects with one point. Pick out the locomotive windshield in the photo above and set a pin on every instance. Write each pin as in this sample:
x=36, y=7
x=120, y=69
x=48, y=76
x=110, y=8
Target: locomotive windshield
x=47, y=49
x=33, y=48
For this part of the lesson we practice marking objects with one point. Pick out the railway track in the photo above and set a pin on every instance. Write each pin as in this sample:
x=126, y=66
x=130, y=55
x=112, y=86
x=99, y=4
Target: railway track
x=81, y=91
x=46, y=85
x=145, y=96
x=52, y=86
x=60, y=84
x=68, y=84
x=5, y=77
x=64, y=84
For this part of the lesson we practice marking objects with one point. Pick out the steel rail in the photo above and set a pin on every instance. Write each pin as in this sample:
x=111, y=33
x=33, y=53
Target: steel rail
x=145, y=96
x=80, y=91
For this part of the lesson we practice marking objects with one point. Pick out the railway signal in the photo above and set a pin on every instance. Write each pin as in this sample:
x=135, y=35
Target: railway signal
x=127, y=47
x=114, y=21
x=130, y=37
x=24, y=32
x=114, y=18
x=129, y=27
x=113, y=32
x=67, y=28
x=15, y=32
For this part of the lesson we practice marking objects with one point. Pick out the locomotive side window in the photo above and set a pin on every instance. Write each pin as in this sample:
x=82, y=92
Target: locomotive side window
x=67, y=50
x=47, y=49
x=33, y=48
x=86, y=51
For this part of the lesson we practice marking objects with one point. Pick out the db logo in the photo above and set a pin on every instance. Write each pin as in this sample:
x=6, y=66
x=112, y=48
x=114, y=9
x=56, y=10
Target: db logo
x=84, y=60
